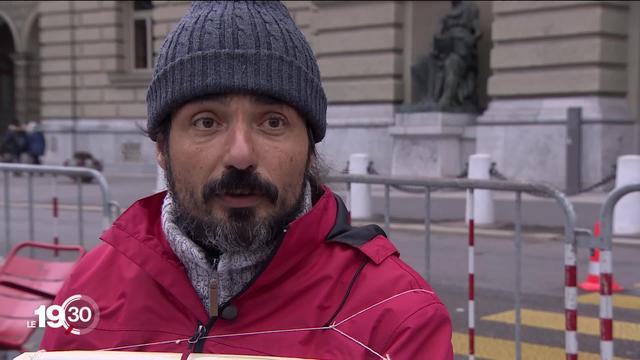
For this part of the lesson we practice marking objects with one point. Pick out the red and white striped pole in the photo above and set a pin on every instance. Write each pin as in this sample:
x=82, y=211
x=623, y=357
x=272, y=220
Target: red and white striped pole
x=471, y=264
x=54, y=203
x=606, y=306
x=570, y=302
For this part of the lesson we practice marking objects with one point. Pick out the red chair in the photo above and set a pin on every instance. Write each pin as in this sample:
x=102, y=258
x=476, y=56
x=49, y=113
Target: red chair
x=25, y=284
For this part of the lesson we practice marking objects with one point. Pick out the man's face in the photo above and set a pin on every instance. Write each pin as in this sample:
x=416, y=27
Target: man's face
x=235, y=165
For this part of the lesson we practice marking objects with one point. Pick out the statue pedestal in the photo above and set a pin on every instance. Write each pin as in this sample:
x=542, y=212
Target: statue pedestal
x=434, y=144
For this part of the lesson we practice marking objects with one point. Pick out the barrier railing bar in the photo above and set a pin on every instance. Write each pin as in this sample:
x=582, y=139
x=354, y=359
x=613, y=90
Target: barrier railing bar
x=606, y=268
x=427, y=230
x=7, y=216
x=80, y=211
x=387, y=209
x=68, y=171
x=32, y=236
x=518, y=277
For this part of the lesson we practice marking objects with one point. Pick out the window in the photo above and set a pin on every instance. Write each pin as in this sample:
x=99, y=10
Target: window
x=141, y=41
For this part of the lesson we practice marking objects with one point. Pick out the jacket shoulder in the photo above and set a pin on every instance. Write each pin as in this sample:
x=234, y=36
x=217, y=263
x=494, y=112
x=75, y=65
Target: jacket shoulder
x=370, y=240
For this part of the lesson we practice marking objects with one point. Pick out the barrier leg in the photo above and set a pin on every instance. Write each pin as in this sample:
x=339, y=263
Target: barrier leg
x=606, y=306
x=471, y=265
x=54, y=208
x=7, y=214
x=518, y=277
x=570, y=302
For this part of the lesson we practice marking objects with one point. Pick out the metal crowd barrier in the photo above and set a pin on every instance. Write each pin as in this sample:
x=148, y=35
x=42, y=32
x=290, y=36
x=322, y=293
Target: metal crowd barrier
x=109, y=208
x=431, y=184
x=606, y=268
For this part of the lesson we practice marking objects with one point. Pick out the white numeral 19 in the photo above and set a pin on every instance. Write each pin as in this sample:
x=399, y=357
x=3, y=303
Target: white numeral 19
x=54, y=314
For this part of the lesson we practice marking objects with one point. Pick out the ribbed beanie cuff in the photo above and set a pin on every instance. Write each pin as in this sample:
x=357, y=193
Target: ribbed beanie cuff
x=282, y=67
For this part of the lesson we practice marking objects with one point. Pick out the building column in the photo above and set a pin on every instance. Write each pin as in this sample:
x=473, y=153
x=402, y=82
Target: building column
x=548, y=57
x=21, y=72
x=359, y=47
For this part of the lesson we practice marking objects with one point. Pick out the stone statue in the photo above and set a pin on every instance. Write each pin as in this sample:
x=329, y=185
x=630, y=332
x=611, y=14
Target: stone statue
x=445, y=79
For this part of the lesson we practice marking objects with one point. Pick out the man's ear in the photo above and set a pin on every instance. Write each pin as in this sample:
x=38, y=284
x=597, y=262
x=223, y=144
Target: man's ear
x=160, y=158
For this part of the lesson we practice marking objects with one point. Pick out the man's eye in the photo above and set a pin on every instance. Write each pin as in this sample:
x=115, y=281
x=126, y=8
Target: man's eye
x=274, y=123
x=204, y=123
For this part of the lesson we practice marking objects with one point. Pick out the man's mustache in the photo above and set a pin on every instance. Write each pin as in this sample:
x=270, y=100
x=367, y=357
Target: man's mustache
x=240, y=182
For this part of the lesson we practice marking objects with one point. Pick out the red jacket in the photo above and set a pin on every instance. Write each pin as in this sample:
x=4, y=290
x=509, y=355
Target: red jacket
x=323, y=272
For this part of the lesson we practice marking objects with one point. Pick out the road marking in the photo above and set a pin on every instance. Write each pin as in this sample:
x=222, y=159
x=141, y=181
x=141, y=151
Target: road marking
x=556, y=321
x=619, y=300
x=500, y=349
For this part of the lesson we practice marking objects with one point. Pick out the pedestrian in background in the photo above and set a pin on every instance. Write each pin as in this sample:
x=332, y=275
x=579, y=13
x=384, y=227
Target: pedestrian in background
x=14, y=142
x=36, y=142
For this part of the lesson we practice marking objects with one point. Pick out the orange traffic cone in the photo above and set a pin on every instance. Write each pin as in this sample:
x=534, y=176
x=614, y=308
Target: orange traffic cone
x=592, y=282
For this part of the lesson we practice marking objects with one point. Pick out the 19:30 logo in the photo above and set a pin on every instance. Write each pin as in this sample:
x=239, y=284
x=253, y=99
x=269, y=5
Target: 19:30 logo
x=78, y=315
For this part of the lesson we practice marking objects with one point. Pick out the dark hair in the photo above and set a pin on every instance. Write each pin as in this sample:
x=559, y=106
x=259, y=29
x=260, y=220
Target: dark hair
x=158, y=131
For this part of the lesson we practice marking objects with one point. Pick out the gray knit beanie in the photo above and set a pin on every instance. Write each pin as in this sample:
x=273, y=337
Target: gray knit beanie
x=237, y=46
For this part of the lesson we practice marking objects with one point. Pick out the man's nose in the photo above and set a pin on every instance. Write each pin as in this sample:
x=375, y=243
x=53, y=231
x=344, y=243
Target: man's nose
x=240, y=150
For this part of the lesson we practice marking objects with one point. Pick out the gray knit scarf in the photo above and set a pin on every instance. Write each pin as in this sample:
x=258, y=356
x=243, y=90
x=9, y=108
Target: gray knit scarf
x=234, y=269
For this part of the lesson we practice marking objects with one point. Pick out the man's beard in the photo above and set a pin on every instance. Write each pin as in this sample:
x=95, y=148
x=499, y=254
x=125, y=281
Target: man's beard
x=240, y=229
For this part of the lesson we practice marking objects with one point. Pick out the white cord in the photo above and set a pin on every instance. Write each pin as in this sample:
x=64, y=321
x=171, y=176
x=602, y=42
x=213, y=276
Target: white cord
x=331, y=327
x=382, y=302
x=266, y=332
x=359, y=343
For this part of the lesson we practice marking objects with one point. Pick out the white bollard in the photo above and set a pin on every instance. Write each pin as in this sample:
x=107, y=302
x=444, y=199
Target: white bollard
x=360, y=194
x=626, y=214
x=479, y=166
x=161, y=182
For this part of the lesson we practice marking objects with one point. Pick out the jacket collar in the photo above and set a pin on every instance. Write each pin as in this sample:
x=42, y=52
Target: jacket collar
x=138, y=235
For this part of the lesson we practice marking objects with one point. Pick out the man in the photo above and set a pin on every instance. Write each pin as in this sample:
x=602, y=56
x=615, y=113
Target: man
x=36, y=142
x=15, y=142
x=248, y=253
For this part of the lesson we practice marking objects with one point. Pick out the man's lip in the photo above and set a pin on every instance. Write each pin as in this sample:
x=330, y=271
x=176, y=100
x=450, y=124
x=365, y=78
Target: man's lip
x=240, y=200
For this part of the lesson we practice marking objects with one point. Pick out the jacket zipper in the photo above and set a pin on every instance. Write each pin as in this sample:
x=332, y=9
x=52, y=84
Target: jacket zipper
x=199, y=341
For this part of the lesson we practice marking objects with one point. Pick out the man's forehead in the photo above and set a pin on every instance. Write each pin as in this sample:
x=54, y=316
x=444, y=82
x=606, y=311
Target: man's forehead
x=225, y=99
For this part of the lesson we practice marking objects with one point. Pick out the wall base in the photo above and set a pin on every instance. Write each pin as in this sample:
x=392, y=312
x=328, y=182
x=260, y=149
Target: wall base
x=528, y=138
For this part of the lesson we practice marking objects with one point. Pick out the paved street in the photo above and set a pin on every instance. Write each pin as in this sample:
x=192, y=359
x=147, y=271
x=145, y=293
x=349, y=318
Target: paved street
x=542, y=295
x=542, y=266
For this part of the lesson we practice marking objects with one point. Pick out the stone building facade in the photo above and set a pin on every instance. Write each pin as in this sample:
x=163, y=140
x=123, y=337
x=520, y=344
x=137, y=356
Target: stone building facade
x=83, y=67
